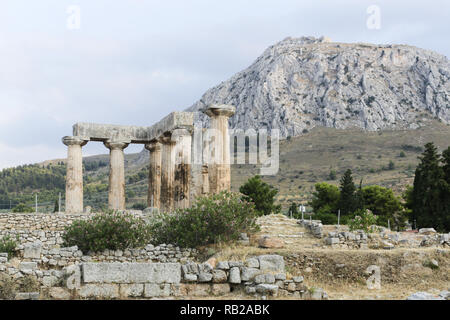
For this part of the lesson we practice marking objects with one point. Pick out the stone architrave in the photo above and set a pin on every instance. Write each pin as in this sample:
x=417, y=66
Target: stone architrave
x=74, y=176
x=116, y=195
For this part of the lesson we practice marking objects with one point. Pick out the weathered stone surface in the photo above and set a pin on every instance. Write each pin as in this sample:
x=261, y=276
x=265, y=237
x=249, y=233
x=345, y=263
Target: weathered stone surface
x=73, y=274
x=292, y=78
x=427, y=231
x=59, y=293
x=218, y=289
x=270, y=242
x=219, y=276
x=223, y=265
x=235, y=275
x=248, y=274
x=98, y=290
x=271, y=263
x=252, y=263
x=131, y=272
x=32, y=250
x=156, y=290
x=27, y=266
x=205, y=277
x=131, y=290
x=267, y=289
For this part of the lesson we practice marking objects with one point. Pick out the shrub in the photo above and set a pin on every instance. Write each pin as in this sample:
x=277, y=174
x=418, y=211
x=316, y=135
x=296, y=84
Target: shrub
x=8, y=245
x=21, y=208
x=363, y=220
x=109, y=230
x=8, y=287
x=212, y=219
x=139, y=206
x=326, y=218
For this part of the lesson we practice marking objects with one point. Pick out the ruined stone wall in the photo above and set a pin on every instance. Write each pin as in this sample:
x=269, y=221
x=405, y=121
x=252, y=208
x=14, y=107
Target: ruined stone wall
x=258, y=276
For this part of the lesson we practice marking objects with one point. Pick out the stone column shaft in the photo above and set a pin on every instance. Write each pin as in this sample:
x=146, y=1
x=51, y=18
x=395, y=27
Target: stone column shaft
x=183, y=148
x=74, y=175
x=167, y=174
x=154, y=175
x=219, y=170
x=116, y=194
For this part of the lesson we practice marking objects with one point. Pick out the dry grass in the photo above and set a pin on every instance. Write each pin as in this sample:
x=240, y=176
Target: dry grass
x=342, y=272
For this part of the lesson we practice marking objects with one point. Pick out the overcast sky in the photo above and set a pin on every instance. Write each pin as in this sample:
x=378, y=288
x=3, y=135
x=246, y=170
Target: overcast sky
x=134, y=61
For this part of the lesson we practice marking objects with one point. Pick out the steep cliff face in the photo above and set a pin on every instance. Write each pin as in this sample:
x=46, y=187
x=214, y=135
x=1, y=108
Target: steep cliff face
x=301, y=83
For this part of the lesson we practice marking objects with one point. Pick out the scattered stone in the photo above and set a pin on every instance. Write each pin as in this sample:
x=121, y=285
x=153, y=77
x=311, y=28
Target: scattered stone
x=270, y=242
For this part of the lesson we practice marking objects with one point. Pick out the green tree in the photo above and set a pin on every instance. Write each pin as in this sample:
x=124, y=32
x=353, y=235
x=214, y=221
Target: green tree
x=261, y=194
x=293, y=210
x=325, y=199
x=21, y=207
x=428, y=207
x=445, y=189
x=385, y=205
x=347, y=200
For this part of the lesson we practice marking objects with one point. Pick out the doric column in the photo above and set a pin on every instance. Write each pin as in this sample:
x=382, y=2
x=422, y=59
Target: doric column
x=74, y=175
x=183, y=147
x=154, y=174
x=219, y=169
x=167, y=173
x=116, y=195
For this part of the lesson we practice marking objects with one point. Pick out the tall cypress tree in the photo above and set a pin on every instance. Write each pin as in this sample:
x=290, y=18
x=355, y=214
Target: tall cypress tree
x=347, y=200
x=445, y=189
x=427, y=205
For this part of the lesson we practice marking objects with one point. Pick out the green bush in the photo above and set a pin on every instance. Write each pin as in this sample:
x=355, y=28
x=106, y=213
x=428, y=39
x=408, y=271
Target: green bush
x=212, y=219
x=363, y=220
x=8, y=245
x=326, y=218
x=139, y=206
x=21, y=208
x=110, y=230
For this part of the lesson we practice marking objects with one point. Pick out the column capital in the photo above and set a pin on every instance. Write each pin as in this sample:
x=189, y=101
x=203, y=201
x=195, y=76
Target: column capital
x=153, y=146
x=214, y=110
x=167, y=139
x=116, y=144
x=180, y=132
x=74, y=140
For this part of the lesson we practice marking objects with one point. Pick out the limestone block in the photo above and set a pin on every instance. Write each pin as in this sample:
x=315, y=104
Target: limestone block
x=270, y=242
x=73, y=274
x=219, y=276
x=59, y=293
x=252, y=263
x=331, y=241
x=129, y=272
x=267, y=289
x=223, y=265
x=104, y=290
x=247, y=274
x=27, y=266
x=205, y=277
x=235, y=275
x=131, y=290
x=32, y=250
x=271, y=263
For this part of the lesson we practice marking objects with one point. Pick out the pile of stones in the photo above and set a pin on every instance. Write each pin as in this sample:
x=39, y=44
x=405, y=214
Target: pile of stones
x=347, y=240
x=314, y=226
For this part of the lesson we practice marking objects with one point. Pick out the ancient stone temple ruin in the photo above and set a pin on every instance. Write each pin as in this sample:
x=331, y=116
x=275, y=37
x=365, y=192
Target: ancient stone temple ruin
x=185, y=161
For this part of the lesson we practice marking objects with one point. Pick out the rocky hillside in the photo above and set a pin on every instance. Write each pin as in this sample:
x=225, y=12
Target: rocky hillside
x=301, y=83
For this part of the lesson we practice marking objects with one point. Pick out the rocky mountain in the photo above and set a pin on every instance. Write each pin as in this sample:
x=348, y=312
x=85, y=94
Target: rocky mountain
x=301, y=83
